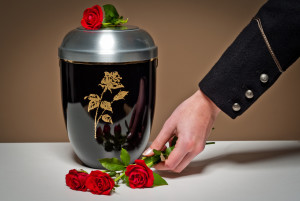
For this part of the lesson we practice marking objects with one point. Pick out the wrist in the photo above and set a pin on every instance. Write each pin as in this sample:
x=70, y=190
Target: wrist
x=214, y=108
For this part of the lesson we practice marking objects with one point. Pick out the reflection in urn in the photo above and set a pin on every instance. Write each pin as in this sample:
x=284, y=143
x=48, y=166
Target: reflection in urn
x=139, y=116
x=111, y=141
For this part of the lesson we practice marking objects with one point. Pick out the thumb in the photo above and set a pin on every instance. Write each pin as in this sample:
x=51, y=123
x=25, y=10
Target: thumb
x=163, y=137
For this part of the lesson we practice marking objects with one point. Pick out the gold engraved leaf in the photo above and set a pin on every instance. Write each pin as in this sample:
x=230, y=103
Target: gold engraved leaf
x=106, y=105
x=117, y=86
x=94, y=101
x=120, y=95
x=107, y=118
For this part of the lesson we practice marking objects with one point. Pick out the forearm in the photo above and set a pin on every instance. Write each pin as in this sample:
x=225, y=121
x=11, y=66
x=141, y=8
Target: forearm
x=236, y=80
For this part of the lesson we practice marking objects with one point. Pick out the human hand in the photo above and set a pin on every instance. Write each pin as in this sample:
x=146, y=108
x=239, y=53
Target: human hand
x=191, y=122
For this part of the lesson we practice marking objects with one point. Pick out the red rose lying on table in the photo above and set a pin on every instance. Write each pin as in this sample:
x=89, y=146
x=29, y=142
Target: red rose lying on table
x=138, y=175
x=76, y=180
x=100, y=183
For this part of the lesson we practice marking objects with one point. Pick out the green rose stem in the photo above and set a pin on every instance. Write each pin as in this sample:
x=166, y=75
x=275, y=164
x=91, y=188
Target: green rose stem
x=119, y=177
x=152, y=162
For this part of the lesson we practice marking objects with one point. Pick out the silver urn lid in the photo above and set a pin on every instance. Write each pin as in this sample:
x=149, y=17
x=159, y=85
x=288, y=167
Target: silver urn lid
x=108, y=45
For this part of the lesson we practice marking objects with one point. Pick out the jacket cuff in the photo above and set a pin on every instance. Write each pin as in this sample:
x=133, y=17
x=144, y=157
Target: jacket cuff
x=242, y=74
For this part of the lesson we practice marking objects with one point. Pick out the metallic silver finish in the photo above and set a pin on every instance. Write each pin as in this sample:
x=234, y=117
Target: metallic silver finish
x=264, y=78
x=236, y=107
x=249, y=94
x=108, y=45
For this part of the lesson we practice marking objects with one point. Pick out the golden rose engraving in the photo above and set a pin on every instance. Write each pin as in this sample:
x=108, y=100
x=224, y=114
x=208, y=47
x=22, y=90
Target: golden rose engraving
x=110, y=81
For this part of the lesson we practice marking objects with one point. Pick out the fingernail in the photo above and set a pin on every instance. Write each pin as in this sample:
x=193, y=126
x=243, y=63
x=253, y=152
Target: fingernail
x=148, y=151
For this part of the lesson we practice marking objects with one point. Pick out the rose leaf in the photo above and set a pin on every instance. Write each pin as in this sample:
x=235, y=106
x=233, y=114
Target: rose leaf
x=125, y=157
x=113, y=164
x=111, y=13
x=158, y=180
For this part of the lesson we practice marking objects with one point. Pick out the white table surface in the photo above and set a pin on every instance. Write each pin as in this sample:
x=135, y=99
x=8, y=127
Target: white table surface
x=261, y=170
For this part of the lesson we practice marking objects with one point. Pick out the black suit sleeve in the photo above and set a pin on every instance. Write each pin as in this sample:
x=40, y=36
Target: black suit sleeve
x=247, y=68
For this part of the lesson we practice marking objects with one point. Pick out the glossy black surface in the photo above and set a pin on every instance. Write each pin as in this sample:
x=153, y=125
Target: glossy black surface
x=131, y=116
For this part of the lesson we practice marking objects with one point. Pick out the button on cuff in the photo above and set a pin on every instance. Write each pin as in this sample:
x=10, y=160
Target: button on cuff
x=236, y=107
x=249, y=94
x=264, y=78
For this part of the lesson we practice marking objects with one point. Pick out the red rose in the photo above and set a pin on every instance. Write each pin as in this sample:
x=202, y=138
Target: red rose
x=100, y=183
x=92, y=18
x=139, y=175
x=76, y=180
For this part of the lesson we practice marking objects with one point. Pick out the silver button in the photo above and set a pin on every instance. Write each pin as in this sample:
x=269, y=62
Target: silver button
x=249, y=94
x=264, y=78
x=236, y=107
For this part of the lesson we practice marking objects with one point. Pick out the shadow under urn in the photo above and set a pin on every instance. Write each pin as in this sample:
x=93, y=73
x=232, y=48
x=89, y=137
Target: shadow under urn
x=108, y=79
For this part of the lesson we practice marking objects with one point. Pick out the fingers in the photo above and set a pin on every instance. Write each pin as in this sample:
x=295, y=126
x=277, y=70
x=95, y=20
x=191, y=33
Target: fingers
x=177, y=162
x=164, y=135
x=171, y=139
x=172, y=162
x=177, y=155
x=186, y=161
